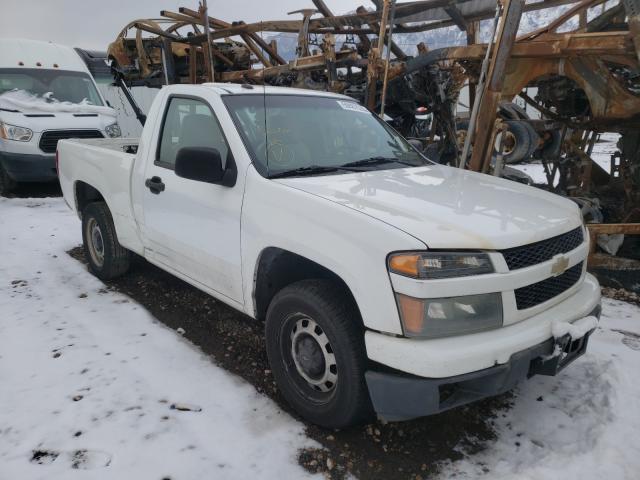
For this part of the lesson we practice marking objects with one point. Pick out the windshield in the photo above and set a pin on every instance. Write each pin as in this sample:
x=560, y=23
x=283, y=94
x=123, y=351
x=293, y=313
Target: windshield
x=307, y=135
x=64, y=85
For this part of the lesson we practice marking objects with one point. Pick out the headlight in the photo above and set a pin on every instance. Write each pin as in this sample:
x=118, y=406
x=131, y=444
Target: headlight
x=113, y=130
x=441, y=317
x=12, y=132
x=431, y=265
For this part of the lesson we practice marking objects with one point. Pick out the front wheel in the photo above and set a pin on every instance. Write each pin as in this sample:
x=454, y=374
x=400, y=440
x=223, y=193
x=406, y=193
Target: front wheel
x=315, y=345
x=106, y=257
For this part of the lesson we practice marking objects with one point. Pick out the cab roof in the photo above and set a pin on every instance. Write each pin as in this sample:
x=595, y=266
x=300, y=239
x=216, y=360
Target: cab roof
x=245, y=89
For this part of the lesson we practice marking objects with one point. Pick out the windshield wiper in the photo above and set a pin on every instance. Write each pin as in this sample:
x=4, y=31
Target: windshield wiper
x=348, y=167
x=9, y=110
x=302, y=171
x=365, y=162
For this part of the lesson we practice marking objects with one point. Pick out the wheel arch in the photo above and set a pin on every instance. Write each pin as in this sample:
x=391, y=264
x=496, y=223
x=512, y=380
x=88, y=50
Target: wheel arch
x=277, y=268
x=84, y=194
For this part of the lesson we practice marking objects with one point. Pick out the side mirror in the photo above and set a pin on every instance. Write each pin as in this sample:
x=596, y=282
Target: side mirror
x=204, y=164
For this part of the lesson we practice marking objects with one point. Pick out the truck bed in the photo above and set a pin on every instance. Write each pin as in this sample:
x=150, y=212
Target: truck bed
x=125, y=145
x=104, y=165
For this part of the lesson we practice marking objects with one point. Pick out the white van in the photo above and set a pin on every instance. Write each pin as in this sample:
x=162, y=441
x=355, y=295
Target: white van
x=46, y=94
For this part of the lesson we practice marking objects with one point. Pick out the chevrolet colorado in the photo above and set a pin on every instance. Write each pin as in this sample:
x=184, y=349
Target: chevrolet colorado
x=386, y=283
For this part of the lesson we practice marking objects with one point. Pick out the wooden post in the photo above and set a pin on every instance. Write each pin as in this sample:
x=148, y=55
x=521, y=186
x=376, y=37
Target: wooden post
x=483, y=148
x=472, y=39
x=385, y=80
x=375, y=55
x=632, y=7
x=207, y=51
x=193, y=64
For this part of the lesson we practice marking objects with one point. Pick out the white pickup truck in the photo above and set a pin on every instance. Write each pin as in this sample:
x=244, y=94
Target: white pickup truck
x=387, y=283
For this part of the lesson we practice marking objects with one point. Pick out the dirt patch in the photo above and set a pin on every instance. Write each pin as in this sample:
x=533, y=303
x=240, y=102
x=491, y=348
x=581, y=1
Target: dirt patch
x=621, y=294
x=44, y=457
x=409, y=450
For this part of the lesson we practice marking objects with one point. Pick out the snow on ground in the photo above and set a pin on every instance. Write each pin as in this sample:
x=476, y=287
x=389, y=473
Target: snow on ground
x=89, y=376
x=582, y=424
x=87, y=380
x=602, y=151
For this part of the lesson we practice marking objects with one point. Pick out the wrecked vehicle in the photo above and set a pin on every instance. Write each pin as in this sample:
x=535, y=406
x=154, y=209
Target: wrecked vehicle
x=387, y=283
x=46, y=93
x=156, y=61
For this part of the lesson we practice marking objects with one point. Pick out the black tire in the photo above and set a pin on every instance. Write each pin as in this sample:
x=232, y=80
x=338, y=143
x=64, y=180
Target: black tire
x=7, y=184
x=325, y=305
x=115, y=259
x=551, y=148
x=521, y=142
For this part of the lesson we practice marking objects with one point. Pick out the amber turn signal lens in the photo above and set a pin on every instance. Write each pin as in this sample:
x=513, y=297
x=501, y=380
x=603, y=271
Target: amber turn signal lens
x=412, y=311
x=404, y=264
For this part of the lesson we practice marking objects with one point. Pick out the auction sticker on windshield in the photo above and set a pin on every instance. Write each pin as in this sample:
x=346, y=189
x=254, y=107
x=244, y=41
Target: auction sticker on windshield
x=353, y=106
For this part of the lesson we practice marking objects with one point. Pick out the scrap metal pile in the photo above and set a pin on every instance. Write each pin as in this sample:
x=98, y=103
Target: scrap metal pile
x=584, y=68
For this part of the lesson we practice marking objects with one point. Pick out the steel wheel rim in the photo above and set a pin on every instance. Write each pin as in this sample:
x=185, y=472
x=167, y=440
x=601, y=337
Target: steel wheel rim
x=312, y=355
x=95, y=242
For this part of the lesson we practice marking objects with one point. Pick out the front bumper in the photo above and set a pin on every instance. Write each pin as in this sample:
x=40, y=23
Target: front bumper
x=398, y=396
x=457, y=355
x=23, y=167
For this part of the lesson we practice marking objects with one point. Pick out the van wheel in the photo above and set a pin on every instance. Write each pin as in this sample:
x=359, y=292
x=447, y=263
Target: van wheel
x=315, y=345
x=7, y=184
x=106, y=257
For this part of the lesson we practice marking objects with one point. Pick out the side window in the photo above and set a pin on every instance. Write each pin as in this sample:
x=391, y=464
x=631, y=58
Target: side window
x=189, y=123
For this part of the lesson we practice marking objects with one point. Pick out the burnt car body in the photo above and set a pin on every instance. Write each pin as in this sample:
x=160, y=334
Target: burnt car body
x=586, y=75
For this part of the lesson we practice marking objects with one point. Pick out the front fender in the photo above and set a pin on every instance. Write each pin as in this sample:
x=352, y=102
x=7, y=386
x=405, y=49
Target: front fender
x=350, y=244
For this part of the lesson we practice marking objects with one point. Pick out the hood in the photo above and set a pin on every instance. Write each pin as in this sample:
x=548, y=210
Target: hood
x=39, y=121
x=449, y=208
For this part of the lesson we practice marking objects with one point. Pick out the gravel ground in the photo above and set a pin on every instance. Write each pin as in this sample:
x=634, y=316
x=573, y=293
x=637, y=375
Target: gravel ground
x=410, y=450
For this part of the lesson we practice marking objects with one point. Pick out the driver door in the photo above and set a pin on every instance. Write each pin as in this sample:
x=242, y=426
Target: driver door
x=192, y=227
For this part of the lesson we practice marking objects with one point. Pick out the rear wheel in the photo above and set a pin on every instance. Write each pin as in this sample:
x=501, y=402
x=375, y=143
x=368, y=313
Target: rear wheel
x=315, y=346
x=7, y=184
x=106, y=257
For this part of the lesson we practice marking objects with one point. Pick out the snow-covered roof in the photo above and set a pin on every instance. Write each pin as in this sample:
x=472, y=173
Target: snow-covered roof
x=23, y=53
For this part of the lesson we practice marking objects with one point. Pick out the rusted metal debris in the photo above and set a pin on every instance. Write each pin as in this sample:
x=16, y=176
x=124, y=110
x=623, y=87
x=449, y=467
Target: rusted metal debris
x=488, y=106
x=586, y=78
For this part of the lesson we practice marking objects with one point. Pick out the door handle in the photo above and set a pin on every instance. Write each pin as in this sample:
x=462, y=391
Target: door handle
x=154, y=184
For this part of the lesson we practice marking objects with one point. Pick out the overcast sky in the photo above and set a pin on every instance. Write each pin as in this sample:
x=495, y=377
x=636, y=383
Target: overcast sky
x=94, y=24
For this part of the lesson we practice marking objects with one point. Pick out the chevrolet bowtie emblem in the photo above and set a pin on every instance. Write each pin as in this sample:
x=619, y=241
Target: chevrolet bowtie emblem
x=559, y=266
